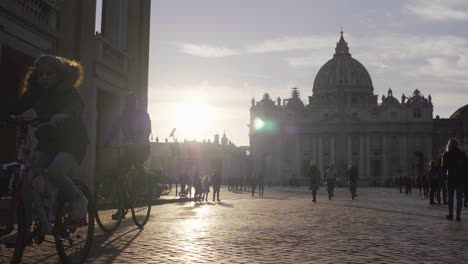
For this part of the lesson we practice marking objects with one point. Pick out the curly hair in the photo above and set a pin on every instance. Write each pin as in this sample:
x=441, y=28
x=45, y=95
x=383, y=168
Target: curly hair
x=70, y=72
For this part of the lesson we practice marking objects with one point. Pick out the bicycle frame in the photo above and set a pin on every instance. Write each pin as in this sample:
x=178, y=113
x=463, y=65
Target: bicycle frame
x=14, y=186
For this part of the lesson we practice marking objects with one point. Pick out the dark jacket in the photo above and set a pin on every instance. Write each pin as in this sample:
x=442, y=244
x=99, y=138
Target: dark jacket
x=68, y=136
x=455, y=162
x=314, y=175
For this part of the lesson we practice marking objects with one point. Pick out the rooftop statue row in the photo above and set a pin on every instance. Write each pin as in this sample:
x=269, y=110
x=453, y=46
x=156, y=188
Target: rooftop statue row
x=295, y=102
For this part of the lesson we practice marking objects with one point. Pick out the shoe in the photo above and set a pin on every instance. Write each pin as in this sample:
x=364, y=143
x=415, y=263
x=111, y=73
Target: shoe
x=314, y=201
x=116, y=216
x=219, y=200
x=10, y=240
x=449, y=217
x=458, y=219
x=79, y=208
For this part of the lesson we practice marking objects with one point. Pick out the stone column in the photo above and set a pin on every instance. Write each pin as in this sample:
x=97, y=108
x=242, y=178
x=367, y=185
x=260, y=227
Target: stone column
x=368, y=157
x=361, y=156
x=349, y=151
x=427, y=148
x=385, y=149
x=314, y=148
x=404, y=154
x=320, y=154
x=332, y=150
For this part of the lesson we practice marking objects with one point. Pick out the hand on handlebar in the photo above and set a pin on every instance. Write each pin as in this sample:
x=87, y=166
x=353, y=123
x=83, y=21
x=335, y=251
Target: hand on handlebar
x=57, y=118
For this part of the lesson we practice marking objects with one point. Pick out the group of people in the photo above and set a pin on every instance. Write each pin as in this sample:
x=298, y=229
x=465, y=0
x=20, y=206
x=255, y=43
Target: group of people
x=250, y=184
x=444, y=179
x=201, y=185
x=330, y=178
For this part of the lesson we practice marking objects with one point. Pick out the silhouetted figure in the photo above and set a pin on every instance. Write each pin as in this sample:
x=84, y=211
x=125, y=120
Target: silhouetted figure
x=443, y=181
x=314, y=180
x=419, y=184
x=198, y=185
x=206, y=187
x=330, y=177
x=401, y=183
x=216, y=181
x=253, y=184
x=433, y=177
x=425, y=185
x=135, y=124
x=408, y=184
x=260, y=180
x=455, y=161
x=353, y=177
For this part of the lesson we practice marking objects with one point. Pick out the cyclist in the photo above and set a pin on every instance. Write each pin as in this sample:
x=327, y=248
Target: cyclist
x=51, y=89
x=135, y=124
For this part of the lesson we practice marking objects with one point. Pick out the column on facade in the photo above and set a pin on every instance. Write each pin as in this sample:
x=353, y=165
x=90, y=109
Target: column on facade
x=349, y=156
x=404, y=154
x=332, y=150
x=320, y=153
x=385, y=150
x=361, y=155
x=367, y=155
x=427, y=148
x=314, y=148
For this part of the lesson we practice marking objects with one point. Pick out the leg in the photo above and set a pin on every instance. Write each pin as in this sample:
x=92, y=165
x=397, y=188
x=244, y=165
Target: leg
x=451, y=190
x=459, y=190
x=314, y=195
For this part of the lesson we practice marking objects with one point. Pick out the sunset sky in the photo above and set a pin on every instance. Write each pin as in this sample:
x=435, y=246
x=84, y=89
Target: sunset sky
x=208, y=58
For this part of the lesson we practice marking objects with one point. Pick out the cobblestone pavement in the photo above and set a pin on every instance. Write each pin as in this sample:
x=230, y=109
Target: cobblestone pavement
x=284, y=226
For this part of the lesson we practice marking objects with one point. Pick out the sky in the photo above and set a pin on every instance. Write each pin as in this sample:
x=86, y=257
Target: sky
x=209, y=58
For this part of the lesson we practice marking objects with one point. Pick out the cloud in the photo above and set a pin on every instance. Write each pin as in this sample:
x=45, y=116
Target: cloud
x=291, y=43
x=307, y=61
x=439, y=10
x=206, y=51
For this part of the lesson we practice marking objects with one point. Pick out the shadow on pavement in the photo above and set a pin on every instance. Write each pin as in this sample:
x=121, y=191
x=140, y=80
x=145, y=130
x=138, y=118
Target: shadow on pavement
x=109, y=246
x=226, y=204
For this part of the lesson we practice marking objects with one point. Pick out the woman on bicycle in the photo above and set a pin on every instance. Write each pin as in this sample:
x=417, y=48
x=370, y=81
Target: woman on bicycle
x=50, y=88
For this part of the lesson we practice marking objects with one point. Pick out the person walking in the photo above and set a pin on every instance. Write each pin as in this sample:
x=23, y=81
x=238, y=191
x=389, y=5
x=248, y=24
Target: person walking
x=216, y=181
x=442, y=181
x=353, y=177
x=330, y=177
x=433, y=177
x=314, y=177
x=454, y=161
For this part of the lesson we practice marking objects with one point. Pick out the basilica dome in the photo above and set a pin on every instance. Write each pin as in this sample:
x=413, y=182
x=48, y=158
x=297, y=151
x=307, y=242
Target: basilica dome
x=342, y=71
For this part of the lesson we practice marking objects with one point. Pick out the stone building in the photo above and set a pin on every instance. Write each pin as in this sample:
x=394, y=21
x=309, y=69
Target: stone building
x=344, y=122
x=174, y=159
x=456, y=126
x=115, y=59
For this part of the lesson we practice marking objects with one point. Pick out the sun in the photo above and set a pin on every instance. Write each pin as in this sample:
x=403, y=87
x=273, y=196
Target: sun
x=193, y=119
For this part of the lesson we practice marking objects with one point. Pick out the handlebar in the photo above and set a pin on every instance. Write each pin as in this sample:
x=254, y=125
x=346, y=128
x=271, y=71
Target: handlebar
x=15, y=121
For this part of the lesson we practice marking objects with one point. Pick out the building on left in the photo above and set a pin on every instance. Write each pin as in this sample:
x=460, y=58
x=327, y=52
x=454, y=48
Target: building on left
x=109, y=38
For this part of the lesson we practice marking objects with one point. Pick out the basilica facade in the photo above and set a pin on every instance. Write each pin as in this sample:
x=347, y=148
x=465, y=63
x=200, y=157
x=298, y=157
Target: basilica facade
x=343, y=123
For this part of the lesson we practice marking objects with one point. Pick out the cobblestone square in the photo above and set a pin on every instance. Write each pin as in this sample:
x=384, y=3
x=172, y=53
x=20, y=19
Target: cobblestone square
x=284, y=226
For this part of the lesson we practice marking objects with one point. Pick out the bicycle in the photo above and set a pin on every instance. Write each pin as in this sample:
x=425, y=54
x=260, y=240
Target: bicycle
x=72, y=239
x=115, y=196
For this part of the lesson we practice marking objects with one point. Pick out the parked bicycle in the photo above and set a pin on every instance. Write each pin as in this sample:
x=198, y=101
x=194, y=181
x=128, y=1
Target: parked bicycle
x=125, y=190
x=51, y=210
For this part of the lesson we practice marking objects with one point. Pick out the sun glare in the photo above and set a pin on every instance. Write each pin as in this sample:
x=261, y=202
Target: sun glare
x=193, y=119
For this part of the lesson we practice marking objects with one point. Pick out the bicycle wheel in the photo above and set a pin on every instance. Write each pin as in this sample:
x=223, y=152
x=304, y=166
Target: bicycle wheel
x=109, y=206
x=73, y=240
x=13, y=253
x=141, y=197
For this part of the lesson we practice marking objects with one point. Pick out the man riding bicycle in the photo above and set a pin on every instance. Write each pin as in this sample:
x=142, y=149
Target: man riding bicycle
x=135, y=124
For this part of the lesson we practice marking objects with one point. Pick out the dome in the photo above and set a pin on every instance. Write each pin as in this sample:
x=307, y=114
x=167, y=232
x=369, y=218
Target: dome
x=342, y=70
